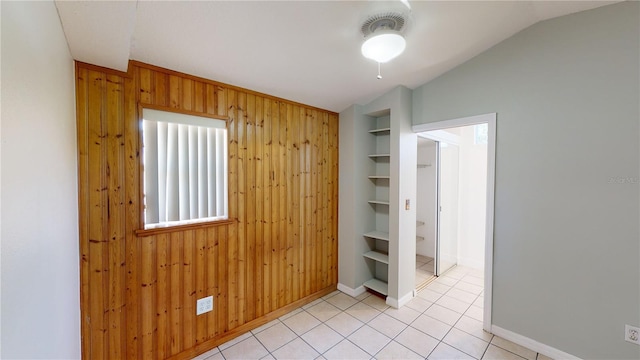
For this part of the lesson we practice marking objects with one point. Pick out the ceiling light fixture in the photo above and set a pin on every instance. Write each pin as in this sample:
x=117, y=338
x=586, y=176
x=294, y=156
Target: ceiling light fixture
x=383, y=37
x=383, y=46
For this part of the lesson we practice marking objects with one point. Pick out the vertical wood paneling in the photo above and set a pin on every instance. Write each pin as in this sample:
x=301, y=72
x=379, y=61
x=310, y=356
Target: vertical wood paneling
x=221, y=101
x=133, y=92
x=175, y=296
x=161, y=88
x=293, y=193
x=187, y=94
x=138, y=294
x=198, y=97
x=285, y=233
x=311, y=203
x=189, y=299
x=200, y=291
x=222, y=324
x=258, y=259
x=225, y=264
x=163, y=289
x=147, y=296
x=307, y=213
x=266, y=209
x=116, y=219
x=145, y=79
x=212, y=287
x=175, y=92
x=96, y=216
x=82, y=107
x=333, y=197
x=249, y=255
x=325, y=181
x=236, y=248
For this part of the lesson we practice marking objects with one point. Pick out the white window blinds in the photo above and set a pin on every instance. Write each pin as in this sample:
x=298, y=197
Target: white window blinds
x=185, y=168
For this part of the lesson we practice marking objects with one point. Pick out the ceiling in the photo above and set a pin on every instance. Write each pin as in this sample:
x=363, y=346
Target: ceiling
x=305, y=51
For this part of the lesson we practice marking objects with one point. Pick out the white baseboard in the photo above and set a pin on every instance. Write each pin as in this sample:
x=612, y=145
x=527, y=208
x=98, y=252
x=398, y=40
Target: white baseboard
x=471, y=263
x=395, y=303
x=350, y=291
x=532, y=344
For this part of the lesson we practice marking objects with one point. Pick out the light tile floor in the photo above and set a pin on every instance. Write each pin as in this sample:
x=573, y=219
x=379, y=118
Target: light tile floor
x=424, y=269
x=443, y=322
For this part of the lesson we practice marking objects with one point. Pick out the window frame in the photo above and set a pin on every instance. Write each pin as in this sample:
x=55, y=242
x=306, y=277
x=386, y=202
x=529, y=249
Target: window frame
x=141, y=231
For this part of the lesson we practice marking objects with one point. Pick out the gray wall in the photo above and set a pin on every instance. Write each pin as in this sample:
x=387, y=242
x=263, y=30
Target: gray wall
x=567, y=248
x=355, y=214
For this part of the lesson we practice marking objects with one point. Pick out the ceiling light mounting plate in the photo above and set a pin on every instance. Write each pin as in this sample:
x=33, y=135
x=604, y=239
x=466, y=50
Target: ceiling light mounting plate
x=393, y=21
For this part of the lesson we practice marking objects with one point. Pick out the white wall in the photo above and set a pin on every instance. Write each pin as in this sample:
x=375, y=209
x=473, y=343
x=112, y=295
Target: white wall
x=39, y=235
x=566, y=92
x=472, y=199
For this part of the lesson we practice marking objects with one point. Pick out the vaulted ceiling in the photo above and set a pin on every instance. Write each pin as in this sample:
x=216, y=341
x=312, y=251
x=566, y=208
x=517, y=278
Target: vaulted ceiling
x=305, y=51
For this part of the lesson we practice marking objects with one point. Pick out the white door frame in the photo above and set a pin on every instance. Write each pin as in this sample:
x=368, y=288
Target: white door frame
x=489, y=119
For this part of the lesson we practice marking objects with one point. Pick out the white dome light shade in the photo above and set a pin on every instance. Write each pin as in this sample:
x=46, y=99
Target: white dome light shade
x=383, y=47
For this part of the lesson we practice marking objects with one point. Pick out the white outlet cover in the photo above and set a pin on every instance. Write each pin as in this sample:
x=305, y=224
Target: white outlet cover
x=632, y=334
x=204, y=305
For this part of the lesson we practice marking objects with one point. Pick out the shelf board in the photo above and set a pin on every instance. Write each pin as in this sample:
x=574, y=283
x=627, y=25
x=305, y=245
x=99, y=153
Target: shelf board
x=374, y=177
x=419, y=238
x=379, y=202
x=377, y=286
x=381, y=131
x=380, y=235
x=377, y=256
x=419, y=223
x=376, y=156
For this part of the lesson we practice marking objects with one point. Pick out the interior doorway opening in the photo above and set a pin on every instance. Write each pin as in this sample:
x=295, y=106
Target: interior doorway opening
x=454, y=199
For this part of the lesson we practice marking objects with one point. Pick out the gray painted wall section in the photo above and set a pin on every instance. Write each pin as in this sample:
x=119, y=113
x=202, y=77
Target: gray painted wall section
x=567, y=239
x=355, y=214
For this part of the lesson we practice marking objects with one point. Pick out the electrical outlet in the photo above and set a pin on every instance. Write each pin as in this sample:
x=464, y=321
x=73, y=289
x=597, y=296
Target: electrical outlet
x=632, y=334
x=204, y=305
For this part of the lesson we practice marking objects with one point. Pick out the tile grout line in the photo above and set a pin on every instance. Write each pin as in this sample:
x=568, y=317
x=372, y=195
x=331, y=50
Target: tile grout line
x=379, y=312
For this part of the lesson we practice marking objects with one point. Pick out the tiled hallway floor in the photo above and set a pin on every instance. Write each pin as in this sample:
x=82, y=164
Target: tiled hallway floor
x=443, y=322
x=424, y=270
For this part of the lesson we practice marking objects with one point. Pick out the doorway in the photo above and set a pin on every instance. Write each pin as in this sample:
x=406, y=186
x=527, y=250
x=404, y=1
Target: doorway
x=464, y=205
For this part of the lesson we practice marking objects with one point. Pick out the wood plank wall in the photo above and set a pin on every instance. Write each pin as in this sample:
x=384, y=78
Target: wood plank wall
x=138, y=293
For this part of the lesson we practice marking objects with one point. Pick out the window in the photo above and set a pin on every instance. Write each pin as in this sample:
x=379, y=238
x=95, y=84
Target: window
x=480, y=134
x=185, y=169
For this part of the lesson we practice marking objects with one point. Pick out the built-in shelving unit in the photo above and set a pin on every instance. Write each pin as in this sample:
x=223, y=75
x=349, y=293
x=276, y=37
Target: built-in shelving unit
x=378, y=235
x=377, y=286
x=379, y=181
x=380, y=131
x=377, y=256
x=378, y=238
